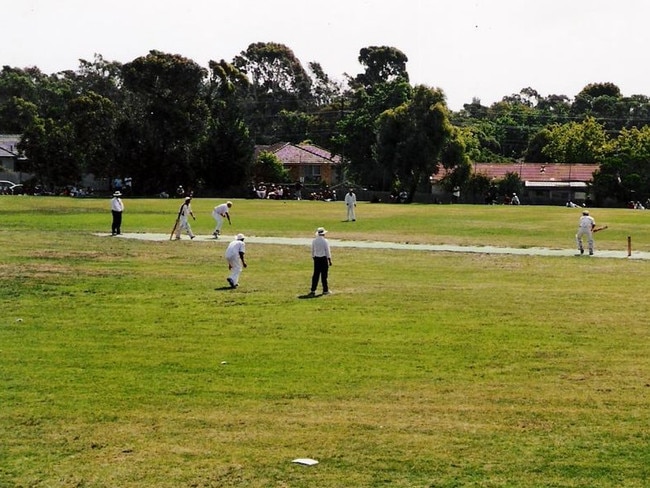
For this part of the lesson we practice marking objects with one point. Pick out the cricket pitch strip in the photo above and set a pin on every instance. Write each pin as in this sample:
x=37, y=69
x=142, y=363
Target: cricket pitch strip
x=303, y=241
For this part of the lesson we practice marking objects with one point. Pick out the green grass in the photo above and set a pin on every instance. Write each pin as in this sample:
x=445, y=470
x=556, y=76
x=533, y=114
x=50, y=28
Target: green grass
x=134, y=366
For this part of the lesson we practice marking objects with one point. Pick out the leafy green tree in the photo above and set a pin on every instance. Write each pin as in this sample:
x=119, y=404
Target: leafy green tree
x=637, y=108
x=166, y=120
x=325, y=91
x=278, y=82
x=17, y=86
x=506, y=130
x=624, y=172
x=454, y=158
x=553, y=108
x=383, y=85
x=411, y=137
x=509, y=184
x=227, y=149
x=514, y=124
x=292, y=126
x=93, y=119
x=576, y=142
x=383, y=64
x=480, y=188
x=50, y=146
x=100, y=76
x=269, y=168
x=42, y=107
x=331, y=103
x=603, y=102
x=357, y=133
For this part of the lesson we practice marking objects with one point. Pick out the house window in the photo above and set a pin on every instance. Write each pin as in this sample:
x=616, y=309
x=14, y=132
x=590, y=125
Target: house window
x=311, y=173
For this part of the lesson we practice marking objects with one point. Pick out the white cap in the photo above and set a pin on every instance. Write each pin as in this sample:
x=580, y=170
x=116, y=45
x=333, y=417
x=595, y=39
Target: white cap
x=241, y=237
x=321, y=231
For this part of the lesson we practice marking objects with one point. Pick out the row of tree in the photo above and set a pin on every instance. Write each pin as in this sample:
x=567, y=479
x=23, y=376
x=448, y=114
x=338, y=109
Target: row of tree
x=164, y=120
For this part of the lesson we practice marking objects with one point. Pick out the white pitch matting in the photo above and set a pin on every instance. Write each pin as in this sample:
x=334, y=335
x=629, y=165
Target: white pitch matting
x=306, y=241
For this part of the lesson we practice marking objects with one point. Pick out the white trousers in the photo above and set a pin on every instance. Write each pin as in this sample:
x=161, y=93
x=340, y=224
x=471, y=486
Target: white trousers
x=351, y=215
x=590, y=239
x=219, y=219
x=183, y=225
x=236, y=268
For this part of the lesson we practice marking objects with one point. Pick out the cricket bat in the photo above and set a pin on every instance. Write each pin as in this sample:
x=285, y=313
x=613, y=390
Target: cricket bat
x=171, y=236
x=598, y=229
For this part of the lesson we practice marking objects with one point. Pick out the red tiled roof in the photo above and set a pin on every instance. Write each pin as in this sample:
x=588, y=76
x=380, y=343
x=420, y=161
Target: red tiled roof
x=290, y=154
x=534, y=172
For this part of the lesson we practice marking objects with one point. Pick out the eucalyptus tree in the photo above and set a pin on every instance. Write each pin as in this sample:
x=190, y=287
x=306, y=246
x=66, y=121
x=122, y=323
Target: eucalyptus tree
x=383, y=64
x=383, y=84
x=93, y=119
x=358, y=130
x=227, y=149
x=576, y=142
x=278, y=82
x=515, y=121
x=605, y=103
x=42, y=110
x=102, y=77
x=412, y=137
x=50, y=147
x=624, y=172
x=166, y=120
x=17, y=87
x=331, y=101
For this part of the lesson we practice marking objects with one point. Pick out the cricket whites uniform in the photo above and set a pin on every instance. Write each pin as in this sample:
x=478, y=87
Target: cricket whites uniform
x=235, y=257
x=586, y=229
x=219, y=212
x=183, y=222
x=351, y=203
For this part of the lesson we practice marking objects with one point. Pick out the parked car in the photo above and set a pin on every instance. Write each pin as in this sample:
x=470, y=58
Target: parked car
x=10, y=188
x=5, y=185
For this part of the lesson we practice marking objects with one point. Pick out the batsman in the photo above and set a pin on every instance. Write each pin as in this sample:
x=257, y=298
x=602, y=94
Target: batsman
x=586, y=227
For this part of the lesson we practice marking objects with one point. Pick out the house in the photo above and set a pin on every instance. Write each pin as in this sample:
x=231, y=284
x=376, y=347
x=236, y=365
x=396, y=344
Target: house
x=543, y=183
x=11, y=160
x=307, y=163
x=9, y=151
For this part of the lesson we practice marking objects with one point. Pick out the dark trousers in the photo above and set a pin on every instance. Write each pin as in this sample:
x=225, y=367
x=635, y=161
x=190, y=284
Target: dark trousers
x=116, y=226
x=321, y=267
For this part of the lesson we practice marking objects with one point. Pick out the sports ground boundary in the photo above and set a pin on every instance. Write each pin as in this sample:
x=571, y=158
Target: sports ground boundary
x=304, y=241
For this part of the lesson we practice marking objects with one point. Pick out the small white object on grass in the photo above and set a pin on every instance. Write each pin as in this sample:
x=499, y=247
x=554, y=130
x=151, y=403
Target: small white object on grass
x=305, y=461
x=19, y=320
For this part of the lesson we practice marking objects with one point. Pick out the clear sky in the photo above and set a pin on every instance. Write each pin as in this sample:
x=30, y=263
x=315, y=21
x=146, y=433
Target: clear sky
x=469, y=48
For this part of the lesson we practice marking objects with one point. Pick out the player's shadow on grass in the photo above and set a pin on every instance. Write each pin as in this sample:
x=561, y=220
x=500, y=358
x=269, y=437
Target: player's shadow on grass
x=224, y=288
x=307, y=296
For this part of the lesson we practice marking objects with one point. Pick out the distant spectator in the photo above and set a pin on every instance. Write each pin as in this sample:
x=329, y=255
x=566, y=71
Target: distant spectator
x=455, y=194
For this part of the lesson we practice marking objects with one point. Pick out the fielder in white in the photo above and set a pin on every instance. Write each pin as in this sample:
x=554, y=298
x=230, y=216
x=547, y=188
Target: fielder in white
x=586, y=226
x=219, y=212
x=183, y=219
x=351, y=203
x=235, y=256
